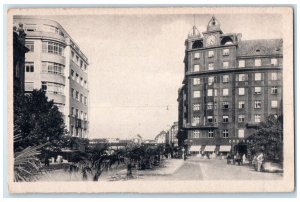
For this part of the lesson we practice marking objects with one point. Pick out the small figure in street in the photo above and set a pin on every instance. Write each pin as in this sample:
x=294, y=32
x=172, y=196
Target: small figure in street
x=238, y=159
x=244, y=159
x=254, y=161
x=260, y=159
x=234, y=159
x=84, y=173
x=228, y=157
x=47, y=162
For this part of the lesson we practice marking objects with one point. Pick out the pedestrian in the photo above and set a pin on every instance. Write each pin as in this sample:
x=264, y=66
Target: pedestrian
x=254, y=161
x=238, y=159
x=234, y=159
x=260, y=159
x=228, y=158
x=244, y=159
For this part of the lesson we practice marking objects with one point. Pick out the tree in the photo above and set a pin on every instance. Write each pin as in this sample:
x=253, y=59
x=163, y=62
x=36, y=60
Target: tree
x=269, y=138
x=36, y=121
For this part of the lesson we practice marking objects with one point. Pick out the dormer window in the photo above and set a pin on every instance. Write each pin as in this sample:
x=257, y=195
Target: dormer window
x=225, y=52
x=210, y=54
x=196, y=55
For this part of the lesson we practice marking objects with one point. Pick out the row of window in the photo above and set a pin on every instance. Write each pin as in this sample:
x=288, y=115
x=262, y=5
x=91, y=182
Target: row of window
x=225, y=64
x=52, y=87
x=225, y=119
x=211, y=53
x=82, y=115
x=76, y=59
x=81, y=98
x=225, y=91
x=78, y=79
x=78, y=132
x=53, y=68
x=53, y=47
x=241, y=105
x=239, y=77
x=225, y=133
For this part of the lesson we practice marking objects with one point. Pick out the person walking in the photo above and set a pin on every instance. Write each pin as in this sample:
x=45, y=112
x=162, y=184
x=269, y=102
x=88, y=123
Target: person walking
x=254, y=161
x=260, y=159
x=244, y=159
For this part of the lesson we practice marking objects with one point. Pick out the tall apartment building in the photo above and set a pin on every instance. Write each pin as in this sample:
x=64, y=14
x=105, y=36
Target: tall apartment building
x=230, y=86
x=56, y=64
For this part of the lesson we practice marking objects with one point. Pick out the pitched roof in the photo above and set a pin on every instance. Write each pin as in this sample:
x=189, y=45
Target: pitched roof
x=260, y=47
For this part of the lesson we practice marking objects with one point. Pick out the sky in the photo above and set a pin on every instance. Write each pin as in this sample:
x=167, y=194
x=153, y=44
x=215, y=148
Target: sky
x=136, y=65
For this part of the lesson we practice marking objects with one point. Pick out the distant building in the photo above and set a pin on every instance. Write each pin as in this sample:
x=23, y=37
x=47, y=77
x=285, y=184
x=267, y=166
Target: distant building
x=230, y=86
x=171, y=137
x=56, y=64
x=19, y=50
x=161, y=138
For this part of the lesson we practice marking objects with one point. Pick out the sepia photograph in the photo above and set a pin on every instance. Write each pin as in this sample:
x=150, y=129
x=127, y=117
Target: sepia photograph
x=150, y=100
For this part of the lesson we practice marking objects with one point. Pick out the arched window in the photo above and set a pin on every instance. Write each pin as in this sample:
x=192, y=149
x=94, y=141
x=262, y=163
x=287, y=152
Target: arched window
x=197, y=44
x=226, y=41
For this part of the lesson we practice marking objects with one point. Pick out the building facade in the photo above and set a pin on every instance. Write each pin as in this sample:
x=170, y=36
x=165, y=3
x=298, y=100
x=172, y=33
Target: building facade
x=19, y=50
x=171, y=137
x=56, y=64
x=230, y=86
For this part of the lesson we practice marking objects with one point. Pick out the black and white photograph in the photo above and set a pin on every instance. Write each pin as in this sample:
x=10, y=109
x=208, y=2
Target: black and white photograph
x=151, y=100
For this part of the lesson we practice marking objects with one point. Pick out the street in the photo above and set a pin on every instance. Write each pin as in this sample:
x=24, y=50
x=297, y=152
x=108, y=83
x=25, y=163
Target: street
x=193, y=168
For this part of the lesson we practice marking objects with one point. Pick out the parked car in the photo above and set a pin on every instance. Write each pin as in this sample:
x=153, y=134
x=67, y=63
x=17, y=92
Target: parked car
x=272, y=167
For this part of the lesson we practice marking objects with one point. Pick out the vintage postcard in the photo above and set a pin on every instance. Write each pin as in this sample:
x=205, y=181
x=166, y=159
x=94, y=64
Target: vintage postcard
x=151, y=100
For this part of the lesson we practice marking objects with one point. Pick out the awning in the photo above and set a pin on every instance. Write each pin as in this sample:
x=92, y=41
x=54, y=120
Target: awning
x=225, y=148
x=195, y=148
x=210, y=148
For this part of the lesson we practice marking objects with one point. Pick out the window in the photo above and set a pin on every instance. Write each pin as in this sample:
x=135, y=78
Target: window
x=274, y=103
x=257, y=90
x=85, y=84
x=81, y=81
x=241, y=104
x=196, y=107
x=53, y=47
x=53, y=68
x=216, y=92
x=81, y=98
x=225, y=105
x=73, y=92
x=30, y=27
x=210, y=66
x=196, y=134
x=257, y=104
x=44, y=85
x=241, y=63
x=225, y=133
x=73, y=111
x=77, y=113
x=30, y=45
x=210, y=54
x=257, y=118
x=211, y=80
x=196, y=94
x=52, y=87
x=210, y=92
x=77, y=95
x=274, y=90
x=84, y=67
x=257, y=76
x=210, y=105
x=72, y=74
x=85, y=100
x=225, y=65
x=196, y=68
x=196, y=120
x=225, y=119
x=241, y=133
x=243, y=77
x=274, y=62
x=72, y=55
x=81, y=64
x=196, y=81
x=85, y=116
x=225, y=78
x=77, y=78
x=209, y=119
x=77, y=60
x=241, y=91
x=241, y=118
x=257, y=62
x=196, y=55
x=225, y=91
x=210, y=133
x=225, y=52
x=29, y=67
x=274, y=76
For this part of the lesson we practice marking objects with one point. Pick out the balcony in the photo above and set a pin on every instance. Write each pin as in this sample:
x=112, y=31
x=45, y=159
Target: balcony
x=189, y=126
x=252, y=125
